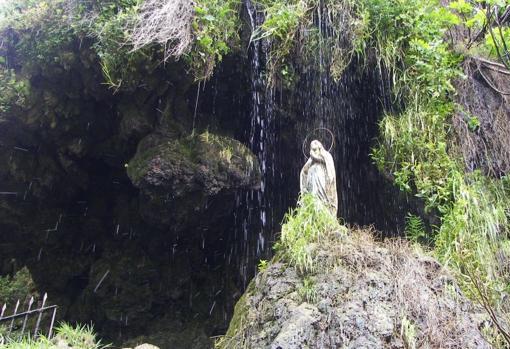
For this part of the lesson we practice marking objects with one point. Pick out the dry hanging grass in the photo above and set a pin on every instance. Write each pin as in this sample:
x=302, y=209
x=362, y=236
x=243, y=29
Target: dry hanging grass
x=165, y=22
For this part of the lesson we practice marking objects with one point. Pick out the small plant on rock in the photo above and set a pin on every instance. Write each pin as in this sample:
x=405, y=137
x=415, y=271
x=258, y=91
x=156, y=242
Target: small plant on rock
x=307, y=290
x=67, y=336
x=415, y=228
x=408, y=333
x=263, y=265
x=79, y=337
x=302, y=229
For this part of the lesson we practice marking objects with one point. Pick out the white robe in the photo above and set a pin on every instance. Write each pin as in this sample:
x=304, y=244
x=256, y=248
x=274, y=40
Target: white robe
x=318, y=178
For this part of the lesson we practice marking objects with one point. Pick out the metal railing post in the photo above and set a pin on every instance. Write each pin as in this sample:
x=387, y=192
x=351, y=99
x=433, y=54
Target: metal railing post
x=40, y=315
x=50, y=331
x=12, y=321
x=30, y=302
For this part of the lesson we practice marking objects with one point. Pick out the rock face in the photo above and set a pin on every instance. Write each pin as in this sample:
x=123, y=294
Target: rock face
x=139, y=250
x=177, y=177
x=481, y=124
x=365, y=295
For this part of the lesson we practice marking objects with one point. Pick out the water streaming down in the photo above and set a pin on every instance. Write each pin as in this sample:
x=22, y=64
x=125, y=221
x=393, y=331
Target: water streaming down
x=350, y=108
x=255, y=207
x=281, y=118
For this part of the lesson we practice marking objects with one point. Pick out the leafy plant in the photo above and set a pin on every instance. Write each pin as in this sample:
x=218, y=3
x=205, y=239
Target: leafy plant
x=473, y=239
x=107, y=23
x=302, y=229
x=18, y=287
x=79, y=337
x=215, y=26
x=415, y=228
x=409, y=40
x=37, y=31
x=13, y=89
x=263, y=264
x=34, y=34
x=280, y=28
x=487, y=27
x=473, y=124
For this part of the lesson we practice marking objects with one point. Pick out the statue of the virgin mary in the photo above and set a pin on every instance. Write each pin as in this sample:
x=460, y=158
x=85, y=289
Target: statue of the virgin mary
x=318, y=176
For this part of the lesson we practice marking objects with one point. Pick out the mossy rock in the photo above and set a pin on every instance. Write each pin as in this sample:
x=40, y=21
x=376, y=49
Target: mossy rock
x=367, y=294
x=179, y=176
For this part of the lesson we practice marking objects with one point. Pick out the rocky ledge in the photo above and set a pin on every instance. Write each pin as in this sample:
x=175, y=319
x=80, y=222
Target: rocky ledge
x=365, y=294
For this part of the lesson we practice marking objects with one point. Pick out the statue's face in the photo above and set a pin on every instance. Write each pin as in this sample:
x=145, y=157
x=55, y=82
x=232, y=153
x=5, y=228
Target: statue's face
x=315, y=149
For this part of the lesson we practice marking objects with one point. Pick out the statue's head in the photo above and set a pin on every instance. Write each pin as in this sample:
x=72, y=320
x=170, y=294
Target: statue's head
x=316, y=149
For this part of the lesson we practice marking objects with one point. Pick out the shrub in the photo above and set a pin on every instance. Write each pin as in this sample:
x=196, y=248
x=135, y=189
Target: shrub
x=302, y=228
x=18, y=287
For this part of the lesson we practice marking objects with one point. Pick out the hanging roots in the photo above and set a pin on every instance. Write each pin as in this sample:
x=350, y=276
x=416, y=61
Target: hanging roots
x=165, y=22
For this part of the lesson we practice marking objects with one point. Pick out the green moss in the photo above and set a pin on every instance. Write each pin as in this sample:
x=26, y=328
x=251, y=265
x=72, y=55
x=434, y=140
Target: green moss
x=239, y=319
x=137, y=167
x=233, y=339
x=214, y=151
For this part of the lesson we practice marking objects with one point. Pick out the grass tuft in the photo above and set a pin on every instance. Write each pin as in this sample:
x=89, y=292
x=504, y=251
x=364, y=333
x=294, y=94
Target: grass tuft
x=302, y=228
x=307, y=290
x=77, y=337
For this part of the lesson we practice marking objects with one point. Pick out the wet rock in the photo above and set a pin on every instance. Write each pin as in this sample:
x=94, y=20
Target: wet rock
x=146, y=346
x=196, y=174
x=74, y=214
x=481, y=123
x=367, y=295
x=136, y=121
x=166, y=335
x=298, y=328
x=73, y=217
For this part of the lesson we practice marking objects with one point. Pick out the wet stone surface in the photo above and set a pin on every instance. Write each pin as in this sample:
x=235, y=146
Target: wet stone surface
x=365, y=294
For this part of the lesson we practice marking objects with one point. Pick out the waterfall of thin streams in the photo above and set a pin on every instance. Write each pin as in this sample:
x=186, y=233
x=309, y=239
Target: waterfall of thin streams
x=282, y=118
x=350, y=108
x=255, y=214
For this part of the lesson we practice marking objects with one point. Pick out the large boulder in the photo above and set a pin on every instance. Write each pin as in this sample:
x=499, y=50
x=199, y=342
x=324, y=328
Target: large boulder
x=198, y=174
x=365, y=294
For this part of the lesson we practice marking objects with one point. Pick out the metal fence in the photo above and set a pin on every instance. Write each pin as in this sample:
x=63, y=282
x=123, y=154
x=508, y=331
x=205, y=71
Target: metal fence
x=37, y=319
